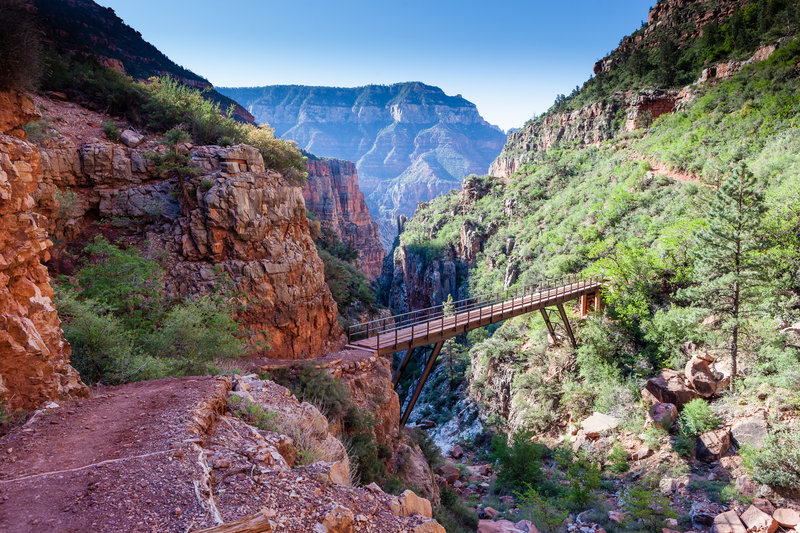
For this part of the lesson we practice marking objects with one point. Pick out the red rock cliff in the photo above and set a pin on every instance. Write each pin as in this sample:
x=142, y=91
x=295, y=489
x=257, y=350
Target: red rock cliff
x=244, y=221
x=333, y=195
x=34, y=357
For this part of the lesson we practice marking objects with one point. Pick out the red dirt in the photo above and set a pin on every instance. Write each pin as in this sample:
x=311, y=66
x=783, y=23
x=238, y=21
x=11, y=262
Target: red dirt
x=120, y=461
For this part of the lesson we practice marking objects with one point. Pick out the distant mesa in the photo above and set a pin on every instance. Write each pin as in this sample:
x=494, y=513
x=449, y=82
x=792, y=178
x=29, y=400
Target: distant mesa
x=411, y=142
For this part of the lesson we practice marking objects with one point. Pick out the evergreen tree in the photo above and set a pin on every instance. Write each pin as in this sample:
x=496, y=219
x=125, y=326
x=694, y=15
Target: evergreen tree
x=729, y=271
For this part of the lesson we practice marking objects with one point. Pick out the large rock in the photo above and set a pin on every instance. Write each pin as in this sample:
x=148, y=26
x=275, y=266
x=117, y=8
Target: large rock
x=728, y=522
x=414, y=471
x=34, y=366
x=713, y=444
x=668, y=387
x=787, y=518
x=664, y=414
x=700, y=376
x=499, y=526
x=599, y=424
x=757, y=520
x=339, y=520
x=409, y=503
x=751, y=431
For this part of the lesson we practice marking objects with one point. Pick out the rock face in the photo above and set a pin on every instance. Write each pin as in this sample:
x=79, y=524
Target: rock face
x=240, y=220
x=411, y=142
x=600, y=120
x=333, y=195
x=34, y=365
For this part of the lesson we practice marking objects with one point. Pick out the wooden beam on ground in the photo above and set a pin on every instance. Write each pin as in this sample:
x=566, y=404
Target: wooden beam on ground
x=406, y=359
x=256, y=523
x=564, y=318
x=422, y=379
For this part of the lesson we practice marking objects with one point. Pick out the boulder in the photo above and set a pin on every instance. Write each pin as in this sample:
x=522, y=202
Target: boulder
x=490, y=512
x=664, y=414
x=456, y=452
x=429, y=526
x=131, y=139
x=728, y=522
x=500, y=526
x=757, y=520
x=527, y=526
x=641, y=452
x=751, y=431
x=339, y=520
x=764, y=505
x=336, y=472
x=409, y=503
x=699, y=375
x=703, y=513
x=712, y=445
x=669, y=387
x=414, y=471
x=598, y=424
x=450, y=473
x=787, y=518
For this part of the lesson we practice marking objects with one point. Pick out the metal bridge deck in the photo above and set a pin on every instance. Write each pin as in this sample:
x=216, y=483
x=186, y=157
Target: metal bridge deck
x=390, y=338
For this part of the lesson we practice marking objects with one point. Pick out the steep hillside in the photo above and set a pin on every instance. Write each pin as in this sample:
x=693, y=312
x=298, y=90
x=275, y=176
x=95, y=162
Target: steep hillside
x=679, y=186
x=84, y=29
x=411, y=142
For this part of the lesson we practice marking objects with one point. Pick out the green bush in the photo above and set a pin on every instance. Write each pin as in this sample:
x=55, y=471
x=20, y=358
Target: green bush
x=645, y=506
x=122, y=327
x=548, y=515
x=618, y=459
x=519, y=461
x=777, y=463
x=254, y=414
x=111, y=130
x=697, y=417
x=453, y=514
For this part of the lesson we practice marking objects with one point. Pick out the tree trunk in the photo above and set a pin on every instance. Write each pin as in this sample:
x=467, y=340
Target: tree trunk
x=735, y=334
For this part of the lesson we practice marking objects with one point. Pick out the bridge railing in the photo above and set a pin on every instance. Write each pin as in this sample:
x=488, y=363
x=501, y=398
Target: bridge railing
x=390, y=326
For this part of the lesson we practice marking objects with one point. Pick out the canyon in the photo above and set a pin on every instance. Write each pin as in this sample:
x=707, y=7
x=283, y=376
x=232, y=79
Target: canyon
x=410, y=141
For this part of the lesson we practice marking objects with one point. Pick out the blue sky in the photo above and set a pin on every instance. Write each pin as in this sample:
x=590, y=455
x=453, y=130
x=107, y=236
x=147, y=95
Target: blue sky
x=511, y=58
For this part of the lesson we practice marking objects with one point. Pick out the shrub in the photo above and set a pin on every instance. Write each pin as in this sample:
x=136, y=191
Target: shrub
x=582, y=477
x=519, y=461
x=195, y=332
x=697, y=417
x=547, y=515
x=453, y=514
x=67, y=205
x=777, y=463
x=619, y=459
x=20, y=47
x=645, y=505
x=253, y=413
x=111, y=130
x=432, y=453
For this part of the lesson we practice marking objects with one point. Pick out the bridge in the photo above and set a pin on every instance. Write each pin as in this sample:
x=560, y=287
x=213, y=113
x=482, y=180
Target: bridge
x=432, y=326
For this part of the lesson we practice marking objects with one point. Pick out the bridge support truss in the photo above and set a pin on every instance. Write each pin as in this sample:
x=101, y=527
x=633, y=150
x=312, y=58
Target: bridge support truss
x=421, y=383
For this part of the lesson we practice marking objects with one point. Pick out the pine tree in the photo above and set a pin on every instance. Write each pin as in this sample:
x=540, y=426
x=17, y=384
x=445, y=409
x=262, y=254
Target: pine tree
x=730, y=267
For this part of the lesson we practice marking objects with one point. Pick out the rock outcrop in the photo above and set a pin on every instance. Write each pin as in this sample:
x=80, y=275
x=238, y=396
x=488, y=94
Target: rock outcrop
x=34, y=357
x=241, y=221
x=411, y=142
x=333, y=195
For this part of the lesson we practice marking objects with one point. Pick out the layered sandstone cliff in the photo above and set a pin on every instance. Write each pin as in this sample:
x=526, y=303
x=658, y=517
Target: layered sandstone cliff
x=411, y=142
x=34, y=357
x=333, y=195
x=241, y=221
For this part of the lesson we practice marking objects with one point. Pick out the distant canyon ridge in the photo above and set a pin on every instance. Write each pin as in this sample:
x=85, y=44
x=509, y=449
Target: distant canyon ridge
x=410, y=141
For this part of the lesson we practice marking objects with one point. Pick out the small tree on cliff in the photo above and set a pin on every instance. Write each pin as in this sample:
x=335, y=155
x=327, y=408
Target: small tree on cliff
x=175, y=163
x=730, y=263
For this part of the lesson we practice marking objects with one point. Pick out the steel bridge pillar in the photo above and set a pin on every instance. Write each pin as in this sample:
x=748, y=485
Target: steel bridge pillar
x=567, y=326
x=425, y=373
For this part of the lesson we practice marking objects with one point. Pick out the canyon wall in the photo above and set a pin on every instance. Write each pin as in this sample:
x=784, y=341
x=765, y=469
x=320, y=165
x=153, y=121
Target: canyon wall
x=240, y=221
x=333, y=195
x=34, y=357
x=411, y=142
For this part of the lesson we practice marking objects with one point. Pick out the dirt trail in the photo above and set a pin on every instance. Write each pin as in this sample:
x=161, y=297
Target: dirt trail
x=120, y=461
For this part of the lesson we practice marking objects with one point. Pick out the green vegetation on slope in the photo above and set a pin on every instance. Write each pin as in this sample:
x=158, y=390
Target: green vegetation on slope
x=603, y=210
x=122, y=327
